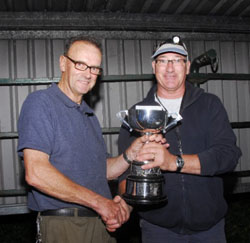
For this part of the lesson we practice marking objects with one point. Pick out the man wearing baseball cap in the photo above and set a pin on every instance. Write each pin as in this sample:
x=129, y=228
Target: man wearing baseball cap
x=202, y=147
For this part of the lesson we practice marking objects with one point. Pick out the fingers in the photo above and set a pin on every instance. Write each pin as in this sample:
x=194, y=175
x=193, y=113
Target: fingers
x=150, y=165
x=153, y=147
x=140, y=142
x=161, y=158
x=121, y=215
x=150, y=151
x=155, y=152
x=110, y=229
x=124, y=209
x=109, y=211
x=154, y=138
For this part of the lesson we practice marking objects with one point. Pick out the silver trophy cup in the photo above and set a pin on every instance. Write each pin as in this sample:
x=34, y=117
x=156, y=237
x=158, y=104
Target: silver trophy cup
x=145, y=187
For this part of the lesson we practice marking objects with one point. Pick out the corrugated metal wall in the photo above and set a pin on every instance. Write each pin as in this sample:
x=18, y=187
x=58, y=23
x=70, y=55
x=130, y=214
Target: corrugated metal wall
x=38, y=58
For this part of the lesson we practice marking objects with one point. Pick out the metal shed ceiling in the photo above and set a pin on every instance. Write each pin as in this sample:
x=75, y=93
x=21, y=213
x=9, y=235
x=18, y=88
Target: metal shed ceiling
x=236, y=8
x=146, y=15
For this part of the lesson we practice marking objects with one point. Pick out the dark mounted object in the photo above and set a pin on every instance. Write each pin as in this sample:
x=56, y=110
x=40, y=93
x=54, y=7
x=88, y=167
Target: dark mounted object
x=207, y=58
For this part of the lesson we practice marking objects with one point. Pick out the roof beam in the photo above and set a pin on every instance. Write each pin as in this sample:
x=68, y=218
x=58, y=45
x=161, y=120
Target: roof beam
x=125, y=22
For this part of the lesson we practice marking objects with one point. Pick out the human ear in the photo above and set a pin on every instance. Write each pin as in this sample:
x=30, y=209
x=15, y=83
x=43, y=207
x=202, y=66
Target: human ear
x=62, y=62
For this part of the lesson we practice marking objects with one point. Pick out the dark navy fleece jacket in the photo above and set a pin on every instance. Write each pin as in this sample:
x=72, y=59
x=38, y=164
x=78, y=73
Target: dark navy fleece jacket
x=195, y=202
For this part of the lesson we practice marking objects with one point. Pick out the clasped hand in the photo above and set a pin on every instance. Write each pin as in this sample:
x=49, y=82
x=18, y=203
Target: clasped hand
x=119, y=213
x=143, y=148
x=156, y=150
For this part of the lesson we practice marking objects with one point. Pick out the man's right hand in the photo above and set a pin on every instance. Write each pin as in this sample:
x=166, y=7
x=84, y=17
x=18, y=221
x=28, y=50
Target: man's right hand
x=125, y=213
x=114, y=212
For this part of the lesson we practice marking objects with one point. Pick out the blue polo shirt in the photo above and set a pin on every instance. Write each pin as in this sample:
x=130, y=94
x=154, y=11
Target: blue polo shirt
x=71, y=135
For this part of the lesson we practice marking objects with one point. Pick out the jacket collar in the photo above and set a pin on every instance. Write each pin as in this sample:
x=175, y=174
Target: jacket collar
x=190, y=96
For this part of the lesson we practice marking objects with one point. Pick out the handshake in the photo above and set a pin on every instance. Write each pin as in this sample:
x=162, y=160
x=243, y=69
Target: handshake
x=116, y=212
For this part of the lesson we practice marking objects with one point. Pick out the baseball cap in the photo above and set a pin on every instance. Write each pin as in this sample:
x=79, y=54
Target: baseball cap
x=171, y=45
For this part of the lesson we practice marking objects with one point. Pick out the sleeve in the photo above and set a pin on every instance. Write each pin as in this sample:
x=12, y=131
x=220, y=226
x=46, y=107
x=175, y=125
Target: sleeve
x=222, y=154
x=35, y=128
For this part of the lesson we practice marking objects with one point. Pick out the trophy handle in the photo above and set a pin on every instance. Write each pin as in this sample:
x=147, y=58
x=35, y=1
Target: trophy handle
x=176, y=117
x=121, y=116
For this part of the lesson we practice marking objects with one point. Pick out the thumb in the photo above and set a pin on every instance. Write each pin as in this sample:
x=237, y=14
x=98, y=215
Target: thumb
x=117, y=199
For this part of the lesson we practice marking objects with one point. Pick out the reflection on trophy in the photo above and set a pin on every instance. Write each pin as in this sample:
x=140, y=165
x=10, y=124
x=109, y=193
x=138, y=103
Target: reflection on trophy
x=145, y=187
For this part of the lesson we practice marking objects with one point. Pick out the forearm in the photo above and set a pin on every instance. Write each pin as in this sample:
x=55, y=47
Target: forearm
x=47, y=179
x=191, y=164
x=116, y=166
x=43, y=176
x=167, y=161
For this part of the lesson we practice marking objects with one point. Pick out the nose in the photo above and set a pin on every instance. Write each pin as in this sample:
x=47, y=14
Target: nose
x=170, y=66
x=87, y=73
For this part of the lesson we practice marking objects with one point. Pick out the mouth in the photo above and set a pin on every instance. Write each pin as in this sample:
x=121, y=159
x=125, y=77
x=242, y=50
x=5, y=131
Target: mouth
x=83, y=81
x=169, y=76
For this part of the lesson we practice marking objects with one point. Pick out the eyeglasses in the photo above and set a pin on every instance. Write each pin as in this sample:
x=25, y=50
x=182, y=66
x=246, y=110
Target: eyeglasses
x=175, y=62
x=83, y=66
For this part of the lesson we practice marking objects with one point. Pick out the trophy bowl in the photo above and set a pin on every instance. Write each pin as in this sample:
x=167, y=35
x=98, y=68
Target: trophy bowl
x=147, y=119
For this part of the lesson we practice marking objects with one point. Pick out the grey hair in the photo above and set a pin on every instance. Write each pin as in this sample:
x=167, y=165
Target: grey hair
x=87, y=39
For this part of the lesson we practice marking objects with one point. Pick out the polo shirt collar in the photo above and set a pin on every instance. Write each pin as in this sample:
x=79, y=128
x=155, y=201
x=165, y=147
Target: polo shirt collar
x=68, y=102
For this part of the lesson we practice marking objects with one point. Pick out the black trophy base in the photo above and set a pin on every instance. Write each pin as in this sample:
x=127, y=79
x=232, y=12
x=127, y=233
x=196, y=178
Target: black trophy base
x=138, y=200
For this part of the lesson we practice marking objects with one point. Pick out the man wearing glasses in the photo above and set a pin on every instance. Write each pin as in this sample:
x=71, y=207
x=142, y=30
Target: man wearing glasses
x=202, y=147
x=65, y=156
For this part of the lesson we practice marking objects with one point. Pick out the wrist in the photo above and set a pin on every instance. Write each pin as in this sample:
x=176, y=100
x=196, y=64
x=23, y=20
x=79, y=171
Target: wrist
x=126, y=158
x=179, y=163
